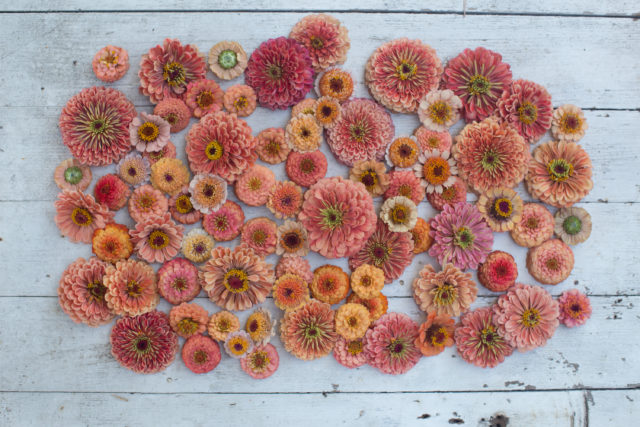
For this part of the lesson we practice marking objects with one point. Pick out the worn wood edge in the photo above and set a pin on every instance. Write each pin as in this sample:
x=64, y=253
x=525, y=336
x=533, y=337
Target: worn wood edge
x=614, y=407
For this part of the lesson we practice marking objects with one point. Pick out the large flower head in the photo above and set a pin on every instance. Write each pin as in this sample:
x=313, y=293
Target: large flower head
x=437, y=169
x=401, y=72
x=575, y=308
x=271, y=146
x=175, y=112
x=285, y=199
x=435, y=334
x=111, y=63
x=254, y=185
x=391, y=344
x=572, y=225
x=201, y=354
x=227, y=59
x=70, y=174
x=405, y=183
x=330, y=284
x=260, y=234
x=95, y=125
x=182, y=209
x=551, y=262
x=399, y=213
x=308, y=332
x=527, y=107
x=111, y=191
x=225, y=223
x=78, y=215
x=147, y=201
x=131, y=288
x=350, y=353
x=178, y=281
x=535, y=226
x=305, y=169
x=290, y=291
x=134, y=169
x=501, y=208
x=157, y=238
x=149, y=132
x=568, y=123
x=325, y=37
x=479, y=340
x=338, y=215
x=262, y=362
x=204, y=96
x=449, y=291
x=439, y=110
x=112, y=243
x=188, y=319
x=208, y=192
x=498, y=272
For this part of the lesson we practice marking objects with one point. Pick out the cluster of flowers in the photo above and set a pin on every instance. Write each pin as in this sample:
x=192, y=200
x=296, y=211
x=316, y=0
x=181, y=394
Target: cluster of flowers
x=334, y=217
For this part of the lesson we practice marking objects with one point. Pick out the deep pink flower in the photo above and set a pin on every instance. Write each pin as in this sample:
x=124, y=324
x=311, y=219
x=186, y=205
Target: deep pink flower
x=575, y=308
x=479, y=340
x=201, y=354
x=225, y=223
x=498, y=272
x=527, y=107
x=178, y=281
x=111, y=191
x=390, y=345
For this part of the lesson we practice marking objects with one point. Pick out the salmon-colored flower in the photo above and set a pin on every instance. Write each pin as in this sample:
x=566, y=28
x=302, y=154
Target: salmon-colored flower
x=112, y=243
x=325, y=37
x=330, y=284
x=201, y=354
x=260, y=234
x=70, y=174
x=290, y=291
x=240, y=99
x=175, y=112
x=568, y=123
x=111, y=63
x=352, y=321
x=575, y=308
x=78, y=215
x=271, y=146
x=391, y=344
x=131, y=288
x=308, y=332
x=178, y=281
x=203, y=97
x=188, y=319
x=435, y=334
x=449, y=291
x=169, y=175
x=254, y=185
x=535, y=226
x=479, y=340
x=551, y=262
x=305, y=169
x=527, y=107
x=146, y=201
x=225, y=223
x=367, y=281
x=157, y=238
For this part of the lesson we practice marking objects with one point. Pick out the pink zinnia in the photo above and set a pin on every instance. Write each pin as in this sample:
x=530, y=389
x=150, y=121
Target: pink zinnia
x=131, y=288
x=181, y=208
x=479, y=340
x=575, y=308
x=535, y=226
x=254, y=185
x=527, y=107
x=168, y=151
x=391, y=344
x=455, y=193
x=224, y=224
x=271, y=146
x=285, y=199
x=175, y=112
x=240, y=99
x=551, y=262
x=498, y=272
x=78, y=215
x=405, y=183
x=295, y=265
x=260, y=235
x=325, y=37
x=178, y=281
x=146, y=201
x=309, y=331
x=149, y=132
x=111, y=63
x=432, y=140
x=262, y=362
x=280, y=72
x=111, y=191
x=351, y=353
x=157, y=238
x=204, y=97
x=201, y=354
x=306, y=169
x=188, y=319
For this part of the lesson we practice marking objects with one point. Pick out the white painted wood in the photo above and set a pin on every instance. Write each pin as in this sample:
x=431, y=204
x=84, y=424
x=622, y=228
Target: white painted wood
x=614, y=407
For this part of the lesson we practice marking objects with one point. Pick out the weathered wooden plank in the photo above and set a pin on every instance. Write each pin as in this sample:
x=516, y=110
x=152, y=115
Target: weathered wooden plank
x=613, y=407
x=567, y=7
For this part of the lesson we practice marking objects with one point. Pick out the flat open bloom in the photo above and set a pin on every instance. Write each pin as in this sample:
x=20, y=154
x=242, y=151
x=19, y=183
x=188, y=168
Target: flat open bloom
x=420, y=234
x=432, y=140
x=452, y=194
x=112, y=243
x=372, y=174
x=290, y=291
x=403, y=152
x=367, y=281
x=157, y=238
x=449, y=291
x=328, y=111
x=296, y=265
x=146, y=201
x=110, y=63
x=479, y=340
x=568, y=123
x=134, y=169
x=262, y=362
x=238, y=344
x=178, y=281
x=260, y=234
x=203, y=97
x=399, y=213
x=292, y=239
x=197, y=245
x=575, y=308
x=208, y=192
x=435, y=334
x=225, y=223
x=391, y=344
x=240, y=99
x=271, y=146
x=306, y=106
x=260, y=326
x=335, y=83
x=201, y=354
x=498, y=272
x=285, y=199
x=182, y=209
x=437, y=169
x=188, y=319
x=227, y=59
x=169, y=175
x=131, y=288
x=149, y=132
x=551, y=262
x=303, y=133
x=175, y=112
x=572, y=225
x=330, y=284
x=439, y=110
x=350, y=353
x=325, y=37
x=305, y=169
x=352, y=321
x=527, y=107
x=405, y=183
x=254, y=185
x=377, y=305
x=308, y=332
x=501, y=208
x=70, y=174
x=222, y=324
x=535, y=226
x=78, y=215
x=111, y=191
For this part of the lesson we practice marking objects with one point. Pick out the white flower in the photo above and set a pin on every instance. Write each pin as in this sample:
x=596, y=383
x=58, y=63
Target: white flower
x=399, y=213
x=292, y=239
x=437, y=169
x=439, y=110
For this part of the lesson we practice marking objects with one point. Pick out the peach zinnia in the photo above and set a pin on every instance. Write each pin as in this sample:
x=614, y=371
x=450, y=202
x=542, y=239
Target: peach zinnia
x=372, y=174
x=527, y=107
x=227, y=59
x=260, y=235
x=254, y=185
x=305, y=169
x=568, y=123
x=336, y=83
x=175, y=112
x=292, y=239
x=551, y=262
x=303, y=133
x=391, y=344
x=111, y=63
x=449, y=291
x=225, y=223
x=325, y=37
x=260, y=326
x=182, y=209
x=78, y=215
x=296, y=265
x=157, y=238
x=403, y=152
x=352, y=321
x=146, y=201
x=290, y=291
x=452, y=194
x=112, y=243
x=178, y=281
x=285, y=199
x=222, y=324
x=240, y=99
x=367, y=281
x=208, y=192
x=405, y=183
x=327, y=111
x=203, y=97
x=420, y=234
x=377, y=305
x=330, y=284
x=308, y=332
x=201, y=354
x=535, y=226
x=575, y=308
x=439, y=110
x=271, y=146
x=131, y=288
x=435, y=334
x=479, y=340
x=188, y=319
x=169, y=175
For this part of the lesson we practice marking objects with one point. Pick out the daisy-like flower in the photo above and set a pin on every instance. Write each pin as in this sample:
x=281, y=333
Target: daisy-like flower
x=261, y=363
x=260, y=234
x=325, y=37
x=330, y=284
x=131, y=288
x=260, y=326
x=308, y=332
x=197, y=245
x=350, y=353
x=391, y=251
x=452, y=194
x=352, y=321
x=78, y=215
x=225, y=223
x=157, y=238
x=227, y=59
x=72, y=175
x=221, y=144
x=95, y=125
x=222, y=324
x=377, y=305
x=295, y=265
x=363, y=132
x=420, y=234
x=178, y=281
x=460, y=236
x=535, y=226
x=559, y=174
x=238, y=344
x=147, y=201
x=303, y=133
x=305, y=169
x=574, y=308
x=572, y=225
x=271, y=146
x=439, y=110
x=335, y=83
x=431, y=140
x=338, y=215
x=175, y=112
x=527, y=107
x=401, y=72
x=391, y=344
x=290, y=291
x=208, y=192
x=435, y=334
x=134, y=169
x=479, y=340
x=306, y=106
x=149, y=132
x=169, y=175
x=111, y=191
x=498, y=272
x=403, y=152
x=240, y=99
x=527, y=316
x=449, y=291
x=399, y=213
x=292, y=239
x=81, y=292
x=181, y=208
x=478, y=77
x=501, y=208
x=372, y=174
x=285, y=199
x=112, y=243
x=254, y=185
x=405, y=183
x=201, y=354
x=367, y=281
x=188, y=320
x=437, y=169
x=491, y=154
x=551, y=262
x=236, y=279
x=327, y=111
x=168, y=151
x=111, y=63
x=144, y=344
x=203, y=97
x=568, y=123
x=280, y=72
x=165, y=71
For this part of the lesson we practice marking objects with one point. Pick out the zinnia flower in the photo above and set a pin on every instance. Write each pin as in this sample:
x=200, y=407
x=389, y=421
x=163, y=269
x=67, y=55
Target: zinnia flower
x=181, y=208
x=225, y=223
x=203, y=97
x=134, y=169
x=72, y=175
x=405, y=183
x=551, y=262
x=559, y=174
x=254, y=185
x=439, y=110
x=306, y=169
x=461, y=236
x=95, y=125
x=330, y=284
x=111, y=63
x=292, y=239
x=372, y=174
x=421, y=236
x=201, y=354
x=112, y=243
x=236, y=279
x=168, y=151
x=178, y=281
x=431, y=140
x=501, y=208
x=572, y=225
x=328, y=111
x=449, y=291
x=271, y=146
x=363, y=132
x=490, y=154
x=325, y=37
x=188, y=319
x=526, y=316
x=336, y=83
x=165, y=71
x=303, y=133
x=260, y=326
x=377, y=305
x=308, y=332
x=260, y=234
x=238, y=344
x=262, y=362
x=574, y=308
x=149, y=132
x=280, y=72
x=535, y=226
x=157, y=238
x=296, y=265
x=131, y=288
x=350, y=353
x=147, y=201
x=391, y=344
x=391, y=251
x=401, y=72
x=78, y=215
x=352, y=321
x=227, y=59
x=455, y=193
x=527, y=107
x=169, y=175
x=222, y=324
x=111, y=191
x=479, y=340
x=208, y=192
x=175, y=112
x=568, y=123
x=399, y=213
x=437, y=169
x=285, y=199
x=240, y=99
x=403, y=152
x=367, y=281
x=498, y=272
x=478, y=77
x=81, y=292
x=435, y=334
x=290, y=291
x=144, y=344
x=306, y=106
x=197, y=245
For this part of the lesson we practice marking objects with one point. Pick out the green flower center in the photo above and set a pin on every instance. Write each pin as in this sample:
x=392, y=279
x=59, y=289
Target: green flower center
x=463, y=238
x=379, y=253
x=332, y=217
x=227, y=59
x=491, y=160
x=358, y=131
x=559, y=170
x=397, y=348
x=572, y=225
x=142, y=345
x=528, y=113
x=98, y=126
x=488, y=336
x=73, y=175
x=478, y=85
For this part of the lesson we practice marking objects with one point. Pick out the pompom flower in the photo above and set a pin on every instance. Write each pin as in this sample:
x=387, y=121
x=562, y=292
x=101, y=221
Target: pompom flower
x=188, y=319
x=236, y=279
x=377, y=305
x=181, y=208
x=238, y=344
x=490, y=154
x=478, y=77
x=169, y=175
x=131, y=288
x=391, y=344
x=292, y=239
x=227, y=59
x=421, y=236
x=157, y=238
x=146, y=201
x=240, y=99
x=352, y=321
x=401, y=72
x=501, y=208
x=403, y=152
x=290, y=291
x=535, y=226
x=437, y=169
x=405, y=183
x=363, y=132
x=208, y=192
x=95, y=125
x=78, y=215
x=551, y=262
x=452, y=194
x=391, y=251
x=372, y=174
x=225, y=223
x=435, y=334
x=149, y=132
x=330, y=284
x=308, y=332
x=165, y=71
x=572, y=225
x=338, y=215
x=201, y=354
x=260, y=326
x=134, y=169
x=526, y=316
x=168, y=151
x=568, y=123
x=449, y=291
x=81, y=292
x=335, y=83
x=296, y=265
x=285, y=199
x=222, y=324
x=280, y=72
x=261, y=363
x=439, y=110
x=574, y=308
x=431, y=140
x=460, y=236
x=303, y=133
x=367, y=281
x=328, y=111
x=498, y=272
x=175, y=112
x=399, y=213
x=479, y=340
x=112, y=243
x=203, y=97
x=350, y=353
x=178, y=281
x=260, y=234
x=111, y=63
x=254, y=185
x=305, y=169
x=111, y=191
x=559, y=174
x=306, y=106
x=527, y=107
x=271, y=146
x=325, y=37
x=197, y=245
x=72, y=175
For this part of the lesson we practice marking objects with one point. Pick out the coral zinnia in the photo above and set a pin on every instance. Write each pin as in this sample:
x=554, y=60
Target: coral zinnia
x=330, y=284
x=238, y=344
x=572, y=225
x=403, y=152
x=535, y=226
x=146, y=201
x=175, y=112
x=335, y=83
x=262, y=362
x=501, y=208
x=391, y=344
x=437, y=169
x=149, y=132
x=111, y=191
x=306, y=169
x=260, y=326
x=260, y=234
x=568, y=123
x=197, y=245
x=168, y=151
x=430, y=140
x=131, y=288
x=271, y=146
x=169, y=175
x=201, y=354
x=280, y=72
x=181, y=208
x=575, y=308
x=240, y=99
x=401, y=72
x=352, y=321
x=325, y=37
x=188, y=319
x=178, y=281
x=367, y=281
x=449, y=291
x=95, y=125
x=421, y=236
x=296, y=265
x=372, y=174
x=290, y=291
x=498, y=272
x=338, y=215
x=377, y=305
x=208, y=192
x=399, y=213
x=225, y=223
x=292, y=239
x=435, y=334
x=527, y=107
x=308, y=332
x=303, y=133
x=70, y=174
x=133, y=169
x=227, y=59
x=551, y=262
x=236, y=279
x=328, y=111
x=78, y=215
x=455, y=193
x=254, y=185
x=405, y=183
x=203, y=97
x=351, y=353
x=111, y=63
x=157, y=238
x=112, y=243
x=479, y=340
x=222, y=324
x=439, y=110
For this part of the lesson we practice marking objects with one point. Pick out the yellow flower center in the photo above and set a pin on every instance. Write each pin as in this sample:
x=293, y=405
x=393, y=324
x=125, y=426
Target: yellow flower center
x=530, y=318
x=503, y=207
x=433, y=142
x=110, y=58
x=174, y=74
x=238, y=346
x=148, y=132
x=188, y=326
x=570, y=123
x=559, y=170
x=316, y=42
x=204, y=99
x=183, y=204
x=405, y=190
x=236, y=281
x=528, y=113
x=440, y=112
x=254, y=183
x=439, y=337
x=355, y=347
x=134, y=290
x=96, y=290
x=272, y=147
x=81, y=217
x=260, y=360
x=240, y=103
x=158, y=239
x=444, y=294
x=223, y=325
x=214, y=150
x=436, y=171
x=353, y=321
x=400, y=214
x=369, y=178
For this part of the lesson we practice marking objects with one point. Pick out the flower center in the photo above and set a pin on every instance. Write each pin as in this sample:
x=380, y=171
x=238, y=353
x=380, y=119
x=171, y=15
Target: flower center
x=449, y=193
x=366, y=281
x=98, y=126
x=327, y=285
x=490, y=161
x=221, y=223
x=240, y=103
x=532, y=223
x=259, y=237
x=400, y=214
x=204, y=99
x=183, y=204
x=478, y=85
x=502, y=208
x=559, y=170
x=575, y=310
x=238, y=346
x=157, y=155
x=199, y=248
x=236, y=281
x=396, y=348
x=132, y=171
x=552, y=264
x=272, y=147
x=572, y=225
x=171, y=118
x=223, y=325
x=292, y=241
x=96, y=290
x=227, y=59
x=436, y=171
x=134, y=290
x=530, y=318
x=142, y=345
x=255, y=183
x=405, y=70
x=148, y=132
x=405, y=190
x=488, y=336
x=174, y=74
x=352, y=321
x=369, y=178
x=405, y=151
x=570, y=123
x=433, y=142
x=440, y=112
x=168, y=177
x=331, y=217
x=260, y=360
x=316, y=42
x=158, y=239
x=188, y=326
x=379, y=253
x=179, y=284
x=463, y=238
x=358, y=131
x=73, y=175
x=81, y=217
x=110, y=58
x=253, y=325
x=355, y=347
x=437, y=336
x=274, y=72
x=214, y=150
x=307, y=165
x=326, y=111
x=528, y=113
x=146, y=201
x=200, y=357
x=336, y=84
x=444, y=294
x=209, y=191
